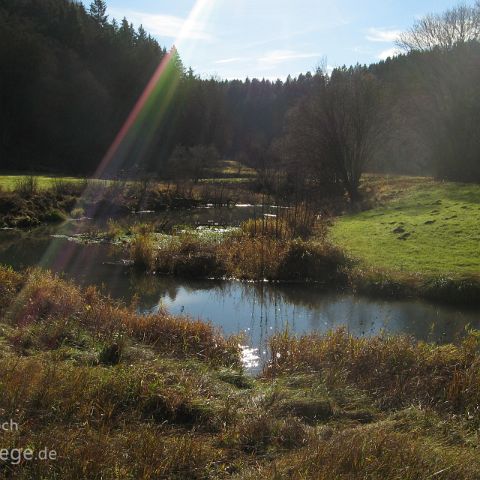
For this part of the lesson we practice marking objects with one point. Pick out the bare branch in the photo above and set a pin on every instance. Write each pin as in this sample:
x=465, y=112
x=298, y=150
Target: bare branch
x=455, y=26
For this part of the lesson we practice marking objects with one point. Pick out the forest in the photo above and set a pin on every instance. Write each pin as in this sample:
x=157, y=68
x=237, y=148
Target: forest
x=70, y=77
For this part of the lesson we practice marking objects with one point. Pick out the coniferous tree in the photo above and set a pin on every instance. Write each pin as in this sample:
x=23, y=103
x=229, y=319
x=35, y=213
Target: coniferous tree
x=98, y=9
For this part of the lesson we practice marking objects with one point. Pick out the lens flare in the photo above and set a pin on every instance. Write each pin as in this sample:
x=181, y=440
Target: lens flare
x=132, y=143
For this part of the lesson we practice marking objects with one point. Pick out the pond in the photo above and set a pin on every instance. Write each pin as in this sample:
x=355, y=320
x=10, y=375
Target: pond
x=256, y=310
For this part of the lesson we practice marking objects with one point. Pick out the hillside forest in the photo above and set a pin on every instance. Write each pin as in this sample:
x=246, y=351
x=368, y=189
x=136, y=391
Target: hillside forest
x=71, y=75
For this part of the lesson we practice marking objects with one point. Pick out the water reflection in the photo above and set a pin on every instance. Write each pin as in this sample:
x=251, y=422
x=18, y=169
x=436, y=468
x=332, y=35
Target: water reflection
x=257, y=310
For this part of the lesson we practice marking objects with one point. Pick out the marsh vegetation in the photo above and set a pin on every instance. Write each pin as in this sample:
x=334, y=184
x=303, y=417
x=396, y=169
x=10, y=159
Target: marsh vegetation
x=79, y=369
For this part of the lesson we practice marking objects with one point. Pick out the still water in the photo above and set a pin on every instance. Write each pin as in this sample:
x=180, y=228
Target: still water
x=256, y=310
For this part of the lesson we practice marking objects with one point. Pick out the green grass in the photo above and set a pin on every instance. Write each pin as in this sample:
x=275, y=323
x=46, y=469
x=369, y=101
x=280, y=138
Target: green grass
x=229, y=171
x=9, y=182
x=233, y=168
x=427, y=228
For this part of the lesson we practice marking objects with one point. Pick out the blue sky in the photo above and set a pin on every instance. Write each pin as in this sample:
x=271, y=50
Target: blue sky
x=274, y=38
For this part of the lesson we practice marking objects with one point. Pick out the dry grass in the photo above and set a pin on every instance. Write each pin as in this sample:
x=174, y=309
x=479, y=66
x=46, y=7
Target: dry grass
x=143, y=251
x=376, y=452
x=271, y=259
x=398, y=371
x=26, y=186
x=242, y=256
x=287, y=224
x=44, y=299
x=123, y=396
x=27, y=207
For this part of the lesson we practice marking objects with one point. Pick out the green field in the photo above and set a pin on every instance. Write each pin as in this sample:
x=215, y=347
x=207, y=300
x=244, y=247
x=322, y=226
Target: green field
x=428, y=228
x=227, y=173
x=9, y=182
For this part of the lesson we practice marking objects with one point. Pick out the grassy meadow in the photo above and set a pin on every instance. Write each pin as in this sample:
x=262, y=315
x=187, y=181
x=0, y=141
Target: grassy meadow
x=228, y=171
x=420, y=227
x=44, y=182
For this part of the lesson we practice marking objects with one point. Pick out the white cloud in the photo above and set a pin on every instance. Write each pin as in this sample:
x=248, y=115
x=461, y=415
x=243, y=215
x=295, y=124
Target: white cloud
x=231, y=60
x=164, y=25
x=390, y=52
x=384, y=35
x=275, y=57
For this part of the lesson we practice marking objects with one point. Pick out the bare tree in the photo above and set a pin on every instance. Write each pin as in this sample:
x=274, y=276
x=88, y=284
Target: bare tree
x=445, y=30
x=350, y=128
x=335, y=131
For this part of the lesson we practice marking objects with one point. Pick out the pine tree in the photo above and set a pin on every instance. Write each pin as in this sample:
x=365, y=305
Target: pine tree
x=141, y=35
x=98, y=9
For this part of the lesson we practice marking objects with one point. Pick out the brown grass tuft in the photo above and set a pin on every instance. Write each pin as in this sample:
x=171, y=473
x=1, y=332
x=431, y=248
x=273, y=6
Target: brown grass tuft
x=398, y=371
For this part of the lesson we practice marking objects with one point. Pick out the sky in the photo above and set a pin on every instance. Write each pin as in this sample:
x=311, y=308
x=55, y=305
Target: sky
x=271, y=39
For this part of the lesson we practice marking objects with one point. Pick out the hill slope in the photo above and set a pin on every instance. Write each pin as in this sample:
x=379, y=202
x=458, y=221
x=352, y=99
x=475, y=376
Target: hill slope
x=430, y=228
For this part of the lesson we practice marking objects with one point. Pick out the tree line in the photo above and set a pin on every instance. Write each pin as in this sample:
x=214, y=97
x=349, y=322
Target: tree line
x=70, y=76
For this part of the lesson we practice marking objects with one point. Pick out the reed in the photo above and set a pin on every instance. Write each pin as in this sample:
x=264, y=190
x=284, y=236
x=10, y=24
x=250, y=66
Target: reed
x=397, y=370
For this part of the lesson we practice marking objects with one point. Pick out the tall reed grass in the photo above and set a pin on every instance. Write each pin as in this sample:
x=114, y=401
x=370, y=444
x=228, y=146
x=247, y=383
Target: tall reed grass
x=241, y=256
x=43, y=299
x=397, y=370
